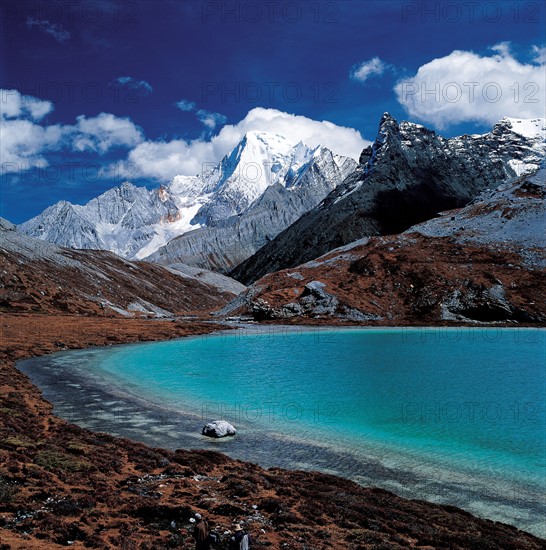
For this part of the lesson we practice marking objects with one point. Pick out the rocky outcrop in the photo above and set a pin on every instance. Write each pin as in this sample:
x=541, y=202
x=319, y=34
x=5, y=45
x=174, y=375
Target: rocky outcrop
x=483, y=263
x=218, y=428
x=407, y=176
x=6, y=225
x=314, y=301
x=479, y=303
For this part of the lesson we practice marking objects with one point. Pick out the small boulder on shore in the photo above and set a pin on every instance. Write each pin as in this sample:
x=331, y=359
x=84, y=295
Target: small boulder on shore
x=218, y=428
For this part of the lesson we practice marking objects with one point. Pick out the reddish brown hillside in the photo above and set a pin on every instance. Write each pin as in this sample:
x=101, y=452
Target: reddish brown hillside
x=405, y=280
x=482, y=263
x=42, y=278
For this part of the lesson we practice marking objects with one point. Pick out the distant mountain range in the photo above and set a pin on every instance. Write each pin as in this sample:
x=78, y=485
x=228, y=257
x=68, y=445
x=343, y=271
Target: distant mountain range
x=231, y=210
x=271, y=205
x=407, y=176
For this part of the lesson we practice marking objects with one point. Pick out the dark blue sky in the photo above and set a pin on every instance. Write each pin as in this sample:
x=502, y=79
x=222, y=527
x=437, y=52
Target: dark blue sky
x=228, y=58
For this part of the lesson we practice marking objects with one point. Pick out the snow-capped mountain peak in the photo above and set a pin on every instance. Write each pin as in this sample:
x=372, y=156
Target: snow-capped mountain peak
x=406, y=176
x=134, y=221
x=268, y=139
x=260, y=160
x=529, y=128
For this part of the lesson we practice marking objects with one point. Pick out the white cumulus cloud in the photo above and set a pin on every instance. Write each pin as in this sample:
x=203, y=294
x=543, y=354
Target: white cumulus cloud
x=467, y=87
x=539, y=54
x=15, y=105
x=367, y=69
x=502, y=48
x=164, y=160
x=102, y=133
x=24, y=141
x=210, y=120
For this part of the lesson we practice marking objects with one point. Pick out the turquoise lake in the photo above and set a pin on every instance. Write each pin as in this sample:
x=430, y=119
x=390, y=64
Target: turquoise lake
x=449, y=415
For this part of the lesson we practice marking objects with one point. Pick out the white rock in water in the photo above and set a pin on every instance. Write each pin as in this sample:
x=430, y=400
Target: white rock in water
x=218, y=428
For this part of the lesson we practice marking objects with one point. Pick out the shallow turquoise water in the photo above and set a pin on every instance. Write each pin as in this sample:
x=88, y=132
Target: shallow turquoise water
x=458, y=408
x=471, y=396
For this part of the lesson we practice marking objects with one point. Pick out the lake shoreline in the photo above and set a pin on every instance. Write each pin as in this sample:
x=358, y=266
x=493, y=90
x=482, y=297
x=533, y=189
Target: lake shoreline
x=36, y=335
x=95, y=400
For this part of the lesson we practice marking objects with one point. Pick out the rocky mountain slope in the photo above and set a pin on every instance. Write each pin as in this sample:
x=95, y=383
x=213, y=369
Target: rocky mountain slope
x=225, y=243
x=134, y=222
x=407, y=176
x=482, y=263
x=36, y=276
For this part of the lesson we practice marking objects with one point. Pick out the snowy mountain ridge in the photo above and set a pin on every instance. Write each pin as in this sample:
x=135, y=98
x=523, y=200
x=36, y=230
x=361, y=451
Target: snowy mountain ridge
x=512, y=215
x=407, y=176
x=529, y=128
x=226, y=242
x=134, y=222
